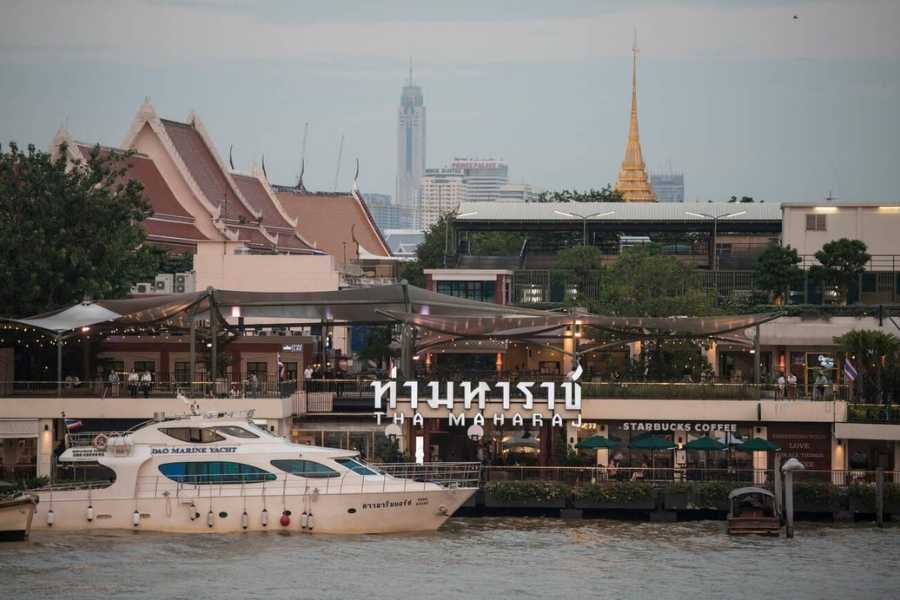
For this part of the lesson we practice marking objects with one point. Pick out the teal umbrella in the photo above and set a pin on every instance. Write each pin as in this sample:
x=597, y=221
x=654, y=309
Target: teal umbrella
x=758, y=445
x=597, y=442
x=705, y=443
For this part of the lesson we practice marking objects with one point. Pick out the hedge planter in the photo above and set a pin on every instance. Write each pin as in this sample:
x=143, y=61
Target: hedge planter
x=526, y=494
x=712, y=495
x=892, y=498
x=677, y=496
x=862, y=498
x=625, y=495
x=817, y=497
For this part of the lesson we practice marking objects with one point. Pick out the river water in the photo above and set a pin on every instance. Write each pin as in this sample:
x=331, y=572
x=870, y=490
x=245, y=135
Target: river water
x=495, y=558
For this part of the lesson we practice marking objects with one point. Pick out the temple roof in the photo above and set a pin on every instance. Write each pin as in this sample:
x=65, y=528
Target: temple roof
x=633, y=182
x=273, y=220
x=334, y=223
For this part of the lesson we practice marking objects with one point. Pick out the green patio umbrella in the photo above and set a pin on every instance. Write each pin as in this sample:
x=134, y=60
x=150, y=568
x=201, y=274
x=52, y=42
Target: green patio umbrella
x=758, y=445
x=705, y=444
x=651, y=443
x=597, y=442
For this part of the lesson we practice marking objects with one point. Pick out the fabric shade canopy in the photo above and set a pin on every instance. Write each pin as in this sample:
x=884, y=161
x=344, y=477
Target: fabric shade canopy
x=596, y=442
x=651, y=442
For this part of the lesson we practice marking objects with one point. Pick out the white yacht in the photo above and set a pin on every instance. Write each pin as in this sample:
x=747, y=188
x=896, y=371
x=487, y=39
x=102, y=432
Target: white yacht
x=218, y=472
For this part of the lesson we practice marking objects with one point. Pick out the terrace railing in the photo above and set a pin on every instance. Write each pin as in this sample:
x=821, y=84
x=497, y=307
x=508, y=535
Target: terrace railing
x=266, y=388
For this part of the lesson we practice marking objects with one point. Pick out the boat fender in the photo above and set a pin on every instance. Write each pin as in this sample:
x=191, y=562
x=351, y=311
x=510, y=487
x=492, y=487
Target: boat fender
x=209, y=518
x=285, y=519
x=136, y=518
x=245, y=520
x=304, y=519
x=51, y=517
x=90, y=513
x=264, y=518
x=309, y=521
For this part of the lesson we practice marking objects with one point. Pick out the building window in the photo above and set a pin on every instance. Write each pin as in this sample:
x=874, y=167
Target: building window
x=183, y=372
x=304, y=468
x=145, y=365
x=815, y=222
x=483, y=291
x=290, y=371
x=214, y=473
x=257, y=368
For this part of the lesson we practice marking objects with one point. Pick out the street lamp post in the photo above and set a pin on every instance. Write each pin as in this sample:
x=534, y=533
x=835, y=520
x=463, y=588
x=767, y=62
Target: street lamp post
x=715, y=220
x=450, y=218
x=584, y=220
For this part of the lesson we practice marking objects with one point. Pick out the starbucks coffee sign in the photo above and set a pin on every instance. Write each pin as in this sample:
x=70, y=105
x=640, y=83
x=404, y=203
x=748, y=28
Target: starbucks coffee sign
x=689, y=426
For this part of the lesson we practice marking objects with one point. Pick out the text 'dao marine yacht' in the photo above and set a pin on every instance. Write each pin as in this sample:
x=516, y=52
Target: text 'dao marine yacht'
x=220, y=472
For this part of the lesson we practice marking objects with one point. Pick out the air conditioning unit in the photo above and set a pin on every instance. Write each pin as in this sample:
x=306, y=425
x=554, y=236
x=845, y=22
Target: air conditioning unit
x=165, y=283
x=184, y=282
x=142, y=288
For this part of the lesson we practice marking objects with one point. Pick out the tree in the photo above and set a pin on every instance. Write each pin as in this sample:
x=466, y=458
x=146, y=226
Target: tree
x=495, y=243
x=777, y=269
x=607, y=194
x=870, y=351
x=378, y=346
x=842, y=262
x=643, y=282
x=69, y=233
x=580, y=268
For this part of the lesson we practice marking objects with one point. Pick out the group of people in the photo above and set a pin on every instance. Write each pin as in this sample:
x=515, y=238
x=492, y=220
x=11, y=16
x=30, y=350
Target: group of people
x=137, y=382
x=786, y=386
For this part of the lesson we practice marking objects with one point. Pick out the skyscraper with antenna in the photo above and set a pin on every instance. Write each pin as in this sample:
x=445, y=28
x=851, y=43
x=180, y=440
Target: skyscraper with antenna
x=410, y=147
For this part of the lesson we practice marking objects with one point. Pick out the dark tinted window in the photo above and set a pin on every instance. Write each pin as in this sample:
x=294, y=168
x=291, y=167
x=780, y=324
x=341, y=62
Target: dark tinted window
x=355, y=466
x=304, y=468
x=235, y=431
x=214, y=473
x=194, y=435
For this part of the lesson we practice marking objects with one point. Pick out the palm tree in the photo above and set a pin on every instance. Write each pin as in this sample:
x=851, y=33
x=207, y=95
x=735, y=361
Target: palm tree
x=869, y=349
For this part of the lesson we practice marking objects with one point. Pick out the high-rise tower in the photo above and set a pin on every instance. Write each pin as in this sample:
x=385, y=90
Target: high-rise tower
x=410, y=147
x=633, y=182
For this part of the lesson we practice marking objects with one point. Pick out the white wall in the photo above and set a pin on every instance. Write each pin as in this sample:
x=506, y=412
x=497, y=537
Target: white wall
x=218, y=266
x=877, y=226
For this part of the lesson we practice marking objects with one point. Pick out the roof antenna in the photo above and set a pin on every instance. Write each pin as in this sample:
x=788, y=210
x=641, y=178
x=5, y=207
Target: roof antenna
x=266, y=175
x=300, y=185
x=356, y=178
x=338, y=170
x=231, y=156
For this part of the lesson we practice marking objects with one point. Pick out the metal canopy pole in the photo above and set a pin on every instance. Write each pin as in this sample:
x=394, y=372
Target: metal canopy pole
x=192, y=369
x=756, y=357
x=59, y=365
x=213, y=335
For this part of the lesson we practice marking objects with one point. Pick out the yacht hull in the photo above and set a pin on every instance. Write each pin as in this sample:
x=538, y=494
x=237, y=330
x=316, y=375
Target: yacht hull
x=16, y=517
x=345, y=513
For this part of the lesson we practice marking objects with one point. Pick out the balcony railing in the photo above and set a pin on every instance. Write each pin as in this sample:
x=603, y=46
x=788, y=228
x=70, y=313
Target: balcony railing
x=263, y=388
x=874, y=413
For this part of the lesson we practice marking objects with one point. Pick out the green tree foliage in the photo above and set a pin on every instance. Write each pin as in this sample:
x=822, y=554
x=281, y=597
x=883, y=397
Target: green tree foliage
x=777, y=269
x=872, y=352
x=841, y=263
x=378, y=346
x=643, y=282
x=579, y=267
x=607, y=194
x=495, y=243
x=68, y=234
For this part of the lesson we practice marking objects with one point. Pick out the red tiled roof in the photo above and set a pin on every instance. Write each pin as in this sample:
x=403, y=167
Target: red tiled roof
x=205, y=170
x=331, y=220
x=251, y=235
x=160, y=230
x=272, y=220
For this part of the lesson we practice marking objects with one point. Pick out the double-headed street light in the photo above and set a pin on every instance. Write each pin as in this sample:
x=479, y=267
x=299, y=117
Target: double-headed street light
x=715, y=220
x=584, y=220
x=452, y=217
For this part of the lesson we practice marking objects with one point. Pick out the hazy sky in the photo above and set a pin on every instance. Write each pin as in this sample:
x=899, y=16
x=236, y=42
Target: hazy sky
x=740, y=96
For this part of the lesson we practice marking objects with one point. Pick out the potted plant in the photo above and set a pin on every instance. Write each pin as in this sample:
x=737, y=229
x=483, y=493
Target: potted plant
x=633, y=495
x=677, y=495
x=526, y=494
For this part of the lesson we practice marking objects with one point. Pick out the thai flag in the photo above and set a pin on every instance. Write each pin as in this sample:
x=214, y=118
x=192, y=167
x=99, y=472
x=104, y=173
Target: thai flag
x=71, y=424
x=849, y=370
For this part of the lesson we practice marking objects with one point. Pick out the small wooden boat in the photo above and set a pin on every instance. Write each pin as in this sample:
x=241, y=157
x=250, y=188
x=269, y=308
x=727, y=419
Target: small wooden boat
x=16, y=514
x=752, y=510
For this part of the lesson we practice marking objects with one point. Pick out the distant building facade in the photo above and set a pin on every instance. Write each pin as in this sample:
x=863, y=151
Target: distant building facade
x=483, y=178
x=442, y=191
x=388, y=215
x=410, y=148
x=518, y=192
x=669, y=187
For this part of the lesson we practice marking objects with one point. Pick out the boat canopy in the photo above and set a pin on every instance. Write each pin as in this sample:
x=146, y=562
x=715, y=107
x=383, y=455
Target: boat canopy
x=749, y=490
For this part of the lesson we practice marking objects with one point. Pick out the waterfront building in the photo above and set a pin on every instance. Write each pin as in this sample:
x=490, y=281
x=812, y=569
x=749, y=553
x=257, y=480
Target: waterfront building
x=411, y=120
x=632, y=181
x=388, y=215
x=442, y=191
x=668, y=187
x=483, y=177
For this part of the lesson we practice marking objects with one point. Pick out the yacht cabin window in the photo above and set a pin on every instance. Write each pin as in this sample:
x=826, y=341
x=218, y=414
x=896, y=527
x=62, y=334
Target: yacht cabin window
x=304, y=468
x=235, y=431
x=214, y=473
x=194, y=435
x=355, y=466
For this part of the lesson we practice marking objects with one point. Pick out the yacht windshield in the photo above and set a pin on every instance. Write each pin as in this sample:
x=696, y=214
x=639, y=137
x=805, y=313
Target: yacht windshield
x=304, y=468
x=355, y=466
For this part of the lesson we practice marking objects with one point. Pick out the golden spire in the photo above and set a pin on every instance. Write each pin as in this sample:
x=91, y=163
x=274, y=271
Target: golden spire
x=633, y=182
